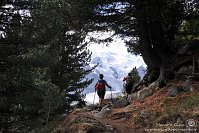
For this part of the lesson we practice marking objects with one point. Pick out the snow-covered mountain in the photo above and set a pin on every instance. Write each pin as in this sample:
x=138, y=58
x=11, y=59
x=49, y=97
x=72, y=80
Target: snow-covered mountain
x=141, y=71
x=114, y=62
x=114, y=66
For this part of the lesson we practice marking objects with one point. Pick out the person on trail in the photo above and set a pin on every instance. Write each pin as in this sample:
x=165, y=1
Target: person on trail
x=128, y=84
x=101, y=89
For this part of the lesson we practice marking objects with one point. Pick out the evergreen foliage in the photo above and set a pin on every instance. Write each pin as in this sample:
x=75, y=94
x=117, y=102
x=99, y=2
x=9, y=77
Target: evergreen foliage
x=135, y=75
x=42, y=61
x=151, y=28
x=43, y=53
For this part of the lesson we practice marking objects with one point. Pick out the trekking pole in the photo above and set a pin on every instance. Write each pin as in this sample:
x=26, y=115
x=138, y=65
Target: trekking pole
x=94, y=97
x=111, y=96
x=124, y=87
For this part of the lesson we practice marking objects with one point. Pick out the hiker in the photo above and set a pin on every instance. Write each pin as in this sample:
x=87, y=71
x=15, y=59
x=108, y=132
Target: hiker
x=101, y=89
x=128, y=84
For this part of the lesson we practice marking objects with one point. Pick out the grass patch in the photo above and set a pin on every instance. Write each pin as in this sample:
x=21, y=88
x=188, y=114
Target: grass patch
x=168, y=108
x=171, y=111
x=187, y=102
x=190, y=102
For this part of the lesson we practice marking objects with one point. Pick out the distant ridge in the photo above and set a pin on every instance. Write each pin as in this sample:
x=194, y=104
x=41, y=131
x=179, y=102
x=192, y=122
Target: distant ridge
x=113, y=68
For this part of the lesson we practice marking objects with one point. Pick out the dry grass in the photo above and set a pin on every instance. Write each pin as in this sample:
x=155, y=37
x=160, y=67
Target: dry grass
x=160, y=108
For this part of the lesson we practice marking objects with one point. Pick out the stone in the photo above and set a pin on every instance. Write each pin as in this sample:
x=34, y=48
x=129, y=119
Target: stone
x=106, y=106
x=132, y=97
x=174, y=91
x=119, y=115
x=123, y=102
x=144, y=114
x=153, y=85
x=188, y=85
x=187, y=88
x=78, y=123
x=109, y=127
x=90, y=107
x=144, y=93
x=103, y=113
x=91, y=128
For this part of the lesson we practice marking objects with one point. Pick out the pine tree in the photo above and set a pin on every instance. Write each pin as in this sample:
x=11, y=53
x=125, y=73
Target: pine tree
x=42, y=62
x=135, y=75
x=150, y=27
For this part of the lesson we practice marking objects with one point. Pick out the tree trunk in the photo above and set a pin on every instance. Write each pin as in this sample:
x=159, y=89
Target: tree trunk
x=148, y=54
x=162, y=77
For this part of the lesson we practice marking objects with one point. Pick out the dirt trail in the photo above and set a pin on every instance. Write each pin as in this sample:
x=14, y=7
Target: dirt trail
x=127, y=119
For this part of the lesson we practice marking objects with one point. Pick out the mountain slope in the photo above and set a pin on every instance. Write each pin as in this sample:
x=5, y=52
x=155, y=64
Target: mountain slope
x=157, y=112
x=113, y=68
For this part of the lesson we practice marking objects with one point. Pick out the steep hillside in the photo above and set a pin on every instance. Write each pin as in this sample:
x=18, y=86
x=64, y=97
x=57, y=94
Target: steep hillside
x=156, y=113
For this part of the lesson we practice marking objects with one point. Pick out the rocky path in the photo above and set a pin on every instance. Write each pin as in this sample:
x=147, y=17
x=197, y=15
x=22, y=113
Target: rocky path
x=108, y=120
x=134, y=116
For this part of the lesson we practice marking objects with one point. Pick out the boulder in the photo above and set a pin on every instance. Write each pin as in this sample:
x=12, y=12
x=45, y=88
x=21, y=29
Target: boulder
x=121, y=116
x=132, y=97
x=123, y=102
x=144, y=114
x=103, y=113
x=76, y=124
x=90, y=107
x=153, y=85
x=144, y=93
x=188, y=87
x=110, y=127
x=147, y=91
x=107, y=106
x=174, y=91
x=91, y=128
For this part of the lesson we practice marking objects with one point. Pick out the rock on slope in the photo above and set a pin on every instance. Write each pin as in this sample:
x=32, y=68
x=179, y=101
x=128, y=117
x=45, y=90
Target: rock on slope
x=158, y=111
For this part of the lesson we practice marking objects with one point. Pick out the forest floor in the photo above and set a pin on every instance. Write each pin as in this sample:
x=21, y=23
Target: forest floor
x=156, y=113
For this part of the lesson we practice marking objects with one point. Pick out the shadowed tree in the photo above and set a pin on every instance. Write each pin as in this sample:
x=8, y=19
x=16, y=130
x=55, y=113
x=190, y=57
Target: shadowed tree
x=42, y=60
x=150, y=28
x=135, y=75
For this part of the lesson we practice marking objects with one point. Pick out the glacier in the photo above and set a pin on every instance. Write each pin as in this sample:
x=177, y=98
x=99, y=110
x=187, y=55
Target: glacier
x=113, y=69
x=114, y=62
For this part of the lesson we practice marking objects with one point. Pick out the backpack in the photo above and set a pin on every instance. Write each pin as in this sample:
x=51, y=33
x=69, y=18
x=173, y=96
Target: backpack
x=100, y=86
x=130, y=81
